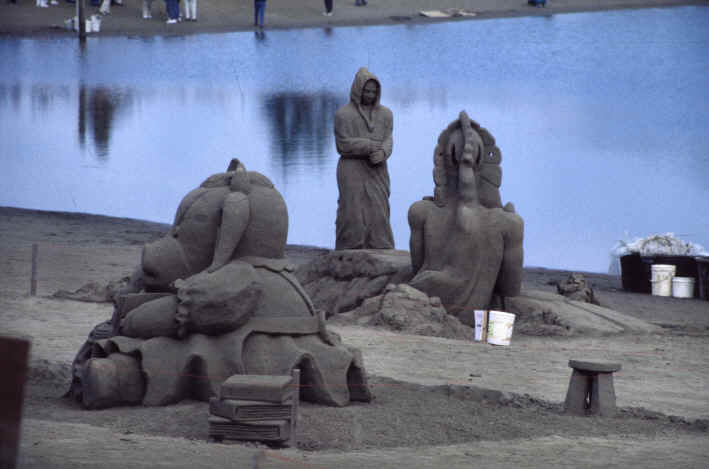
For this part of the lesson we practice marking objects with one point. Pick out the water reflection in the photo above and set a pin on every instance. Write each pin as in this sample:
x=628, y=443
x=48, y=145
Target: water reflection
x=12, y=94
x=101, y=107
x=43, y=97
x=301, y=127
x=598, y=137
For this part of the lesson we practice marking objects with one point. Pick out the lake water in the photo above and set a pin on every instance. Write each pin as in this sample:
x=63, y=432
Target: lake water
x=601, y=118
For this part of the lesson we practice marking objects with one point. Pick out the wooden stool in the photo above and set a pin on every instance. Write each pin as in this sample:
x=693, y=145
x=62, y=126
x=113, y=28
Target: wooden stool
x=591, y=389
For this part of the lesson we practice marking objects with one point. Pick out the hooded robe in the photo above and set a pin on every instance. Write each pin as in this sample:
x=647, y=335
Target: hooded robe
x=363, y=205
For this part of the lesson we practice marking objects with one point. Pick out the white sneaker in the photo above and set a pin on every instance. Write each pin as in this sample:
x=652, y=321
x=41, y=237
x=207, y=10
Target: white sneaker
x=171, y=21
x=327, y=13
x=147, y=16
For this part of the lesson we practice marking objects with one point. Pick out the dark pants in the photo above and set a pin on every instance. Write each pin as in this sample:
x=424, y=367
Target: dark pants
x=259, y=12
x=328, y=6
x=173, y=9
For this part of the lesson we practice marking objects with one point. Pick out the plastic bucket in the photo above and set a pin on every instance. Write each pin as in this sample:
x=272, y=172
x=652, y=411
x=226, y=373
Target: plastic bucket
x=95, y=23
x=499, y=327
x=661, y=279
x=683, y=287
x=480, y=325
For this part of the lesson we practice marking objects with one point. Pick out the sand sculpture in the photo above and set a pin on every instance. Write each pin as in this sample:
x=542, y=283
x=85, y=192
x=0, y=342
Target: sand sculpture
x=214, y=298
x=363, y=134
x=465, y=247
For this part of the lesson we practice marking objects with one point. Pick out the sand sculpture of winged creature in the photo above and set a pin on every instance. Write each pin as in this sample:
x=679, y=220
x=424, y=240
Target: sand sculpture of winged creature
x=465, y=247
x=213, y=298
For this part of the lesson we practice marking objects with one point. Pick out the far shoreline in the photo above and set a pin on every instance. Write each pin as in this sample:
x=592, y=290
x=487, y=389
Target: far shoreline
x=160, y=228
x=220, y=16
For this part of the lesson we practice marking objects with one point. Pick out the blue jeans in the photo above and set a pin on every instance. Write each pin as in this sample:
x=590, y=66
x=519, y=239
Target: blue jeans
x=173, y=9
x=259, y=12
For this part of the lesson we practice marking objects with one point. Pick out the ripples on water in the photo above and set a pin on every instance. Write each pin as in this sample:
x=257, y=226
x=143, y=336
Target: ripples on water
x=600, y=117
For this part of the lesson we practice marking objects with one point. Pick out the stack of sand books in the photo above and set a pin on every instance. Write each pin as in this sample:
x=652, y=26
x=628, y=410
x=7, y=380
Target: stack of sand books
x=255, y=407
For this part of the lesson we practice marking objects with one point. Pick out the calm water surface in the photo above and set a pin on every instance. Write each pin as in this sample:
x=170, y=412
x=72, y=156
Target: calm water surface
x=601, y=119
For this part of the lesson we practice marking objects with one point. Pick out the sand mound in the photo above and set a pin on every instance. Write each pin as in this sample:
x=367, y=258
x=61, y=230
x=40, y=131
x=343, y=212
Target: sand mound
x=404, y=309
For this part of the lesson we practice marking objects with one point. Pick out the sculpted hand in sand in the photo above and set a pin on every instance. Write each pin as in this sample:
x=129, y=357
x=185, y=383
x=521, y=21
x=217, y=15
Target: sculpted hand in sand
x=219, y=299
x=464, y=246
x=363, y=133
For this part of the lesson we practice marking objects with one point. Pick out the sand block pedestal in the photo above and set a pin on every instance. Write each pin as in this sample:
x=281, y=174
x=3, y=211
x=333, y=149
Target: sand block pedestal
x=256, y=407
x=591, y=390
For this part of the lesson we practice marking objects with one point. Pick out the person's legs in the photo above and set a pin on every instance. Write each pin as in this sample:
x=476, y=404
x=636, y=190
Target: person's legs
x=173, y=11
x=261, y=13
x=147, y=9
x=328, y=7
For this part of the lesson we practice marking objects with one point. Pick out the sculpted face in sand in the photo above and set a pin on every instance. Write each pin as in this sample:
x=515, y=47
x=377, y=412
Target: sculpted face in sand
x=218, y=299
x=363, y=134
x=464, y=246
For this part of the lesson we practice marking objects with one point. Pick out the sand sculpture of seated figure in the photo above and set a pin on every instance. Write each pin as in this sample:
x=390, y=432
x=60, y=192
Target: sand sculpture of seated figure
x=213, y=298
x=465, y=246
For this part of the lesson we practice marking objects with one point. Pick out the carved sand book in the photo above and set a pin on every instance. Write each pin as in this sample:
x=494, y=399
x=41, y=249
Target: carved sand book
x=266, y=430
x=250, y=410
x=266, y=388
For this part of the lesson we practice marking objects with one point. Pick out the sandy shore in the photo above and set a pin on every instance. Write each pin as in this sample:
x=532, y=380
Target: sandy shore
x=24, y=18
x=439, y=402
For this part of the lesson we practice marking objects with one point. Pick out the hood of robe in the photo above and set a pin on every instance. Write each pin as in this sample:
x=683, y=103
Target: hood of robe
x=361, y=78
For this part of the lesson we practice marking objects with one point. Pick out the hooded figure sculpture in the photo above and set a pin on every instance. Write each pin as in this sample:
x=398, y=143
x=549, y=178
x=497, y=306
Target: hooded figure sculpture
x=363, y=134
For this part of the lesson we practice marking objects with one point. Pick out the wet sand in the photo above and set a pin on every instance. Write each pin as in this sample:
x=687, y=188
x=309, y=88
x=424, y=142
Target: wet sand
x=24, y=18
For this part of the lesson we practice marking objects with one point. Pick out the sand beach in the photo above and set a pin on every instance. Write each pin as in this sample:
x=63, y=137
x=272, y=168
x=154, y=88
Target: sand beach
x=439, y=402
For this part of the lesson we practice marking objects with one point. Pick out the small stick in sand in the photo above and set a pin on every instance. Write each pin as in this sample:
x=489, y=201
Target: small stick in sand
x=33, y=281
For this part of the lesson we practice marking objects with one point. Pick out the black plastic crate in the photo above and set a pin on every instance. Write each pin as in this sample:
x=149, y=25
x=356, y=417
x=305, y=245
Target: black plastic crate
x=703, y=277
x=636, y=269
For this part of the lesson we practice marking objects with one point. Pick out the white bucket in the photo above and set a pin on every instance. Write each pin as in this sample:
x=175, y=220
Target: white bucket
x=95, y=23
x=480, y=325
x=499, y=327
x=662, y=279
x=72, y=24
x=683, y=287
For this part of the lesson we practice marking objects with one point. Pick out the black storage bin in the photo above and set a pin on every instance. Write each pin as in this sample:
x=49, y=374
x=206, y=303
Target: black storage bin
x=636, y=270
x=635, y=274
x=703, y=277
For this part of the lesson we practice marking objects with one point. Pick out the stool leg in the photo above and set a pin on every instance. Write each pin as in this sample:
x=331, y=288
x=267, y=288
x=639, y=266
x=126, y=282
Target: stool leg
x=603, y=395
x=579, y=387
